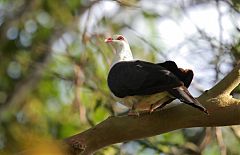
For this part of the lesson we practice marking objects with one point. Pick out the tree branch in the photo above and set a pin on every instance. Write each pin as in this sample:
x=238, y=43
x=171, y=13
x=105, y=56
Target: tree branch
x=224, y=110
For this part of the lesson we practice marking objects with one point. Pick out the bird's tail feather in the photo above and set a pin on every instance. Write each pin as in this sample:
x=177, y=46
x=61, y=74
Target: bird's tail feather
x=183, y=95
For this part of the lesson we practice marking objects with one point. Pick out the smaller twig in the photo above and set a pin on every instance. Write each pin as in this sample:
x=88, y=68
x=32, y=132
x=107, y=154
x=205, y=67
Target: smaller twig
x=85, y=30
x=220, y=141
x=127, y=4
x=231, y=5
x=220, y=50
x=79, y=78
x=148, y=144
x=234, y=131
x=207, y=138
x=59, y=76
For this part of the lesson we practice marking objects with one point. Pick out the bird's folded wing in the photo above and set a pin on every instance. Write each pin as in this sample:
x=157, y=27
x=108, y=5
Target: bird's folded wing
x=140, y=78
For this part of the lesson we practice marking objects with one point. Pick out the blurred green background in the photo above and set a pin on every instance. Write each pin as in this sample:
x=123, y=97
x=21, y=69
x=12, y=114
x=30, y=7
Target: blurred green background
x=54, y=63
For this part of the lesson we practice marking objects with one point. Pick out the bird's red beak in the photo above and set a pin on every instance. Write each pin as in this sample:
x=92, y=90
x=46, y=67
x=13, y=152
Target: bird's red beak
x=108, y=40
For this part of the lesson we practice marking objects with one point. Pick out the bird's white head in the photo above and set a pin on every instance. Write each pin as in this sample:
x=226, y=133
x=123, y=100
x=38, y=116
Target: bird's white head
x=121, y=46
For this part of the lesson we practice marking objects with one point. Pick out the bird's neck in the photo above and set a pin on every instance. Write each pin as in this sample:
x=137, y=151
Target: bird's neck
x=123, y=53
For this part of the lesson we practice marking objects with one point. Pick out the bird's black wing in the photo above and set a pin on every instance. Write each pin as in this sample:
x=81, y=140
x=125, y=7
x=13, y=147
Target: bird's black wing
x=130, y=78
x=185, y=75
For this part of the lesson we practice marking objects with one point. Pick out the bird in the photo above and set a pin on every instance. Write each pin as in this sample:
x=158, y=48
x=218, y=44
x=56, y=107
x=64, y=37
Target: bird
x=144, y=86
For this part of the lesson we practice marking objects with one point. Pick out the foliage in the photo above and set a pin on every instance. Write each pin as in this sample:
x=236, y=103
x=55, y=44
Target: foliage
x=53, y=67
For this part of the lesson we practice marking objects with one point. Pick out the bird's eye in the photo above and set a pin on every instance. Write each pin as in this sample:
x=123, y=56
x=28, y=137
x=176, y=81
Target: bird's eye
x=120, y=38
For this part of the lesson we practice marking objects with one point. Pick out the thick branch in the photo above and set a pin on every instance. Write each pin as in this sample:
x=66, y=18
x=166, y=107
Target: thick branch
x=224, y=110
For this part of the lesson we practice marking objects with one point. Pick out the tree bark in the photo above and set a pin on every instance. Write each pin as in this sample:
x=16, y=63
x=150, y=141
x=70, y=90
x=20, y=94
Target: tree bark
x=223, y=110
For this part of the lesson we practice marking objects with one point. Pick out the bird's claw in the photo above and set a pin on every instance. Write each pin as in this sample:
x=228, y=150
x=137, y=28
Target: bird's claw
x=133, y=113
x=151, y=109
